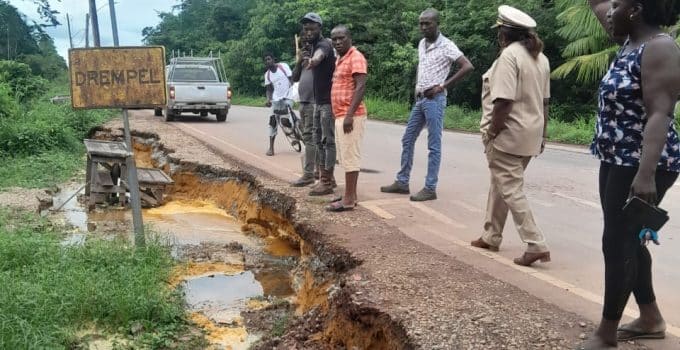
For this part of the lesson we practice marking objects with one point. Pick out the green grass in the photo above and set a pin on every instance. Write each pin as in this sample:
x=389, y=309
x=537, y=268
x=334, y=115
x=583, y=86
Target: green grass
x=242, y=100
x=280, y=326
x=580, y=131
x=48, y=292
x=43, y=146
x=38, y=171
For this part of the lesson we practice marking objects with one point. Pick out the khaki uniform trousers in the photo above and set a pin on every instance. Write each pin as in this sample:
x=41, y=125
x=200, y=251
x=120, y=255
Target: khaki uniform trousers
x=506, y=194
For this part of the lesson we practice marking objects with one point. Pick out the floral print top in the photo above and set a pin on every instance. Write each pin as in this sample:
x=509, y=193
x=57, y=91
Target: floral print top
x=622, y=117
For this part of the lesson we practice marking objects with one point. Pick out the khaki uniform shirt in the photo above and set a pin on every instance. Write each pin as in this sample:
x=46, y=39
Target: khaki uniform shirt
x=518, y=77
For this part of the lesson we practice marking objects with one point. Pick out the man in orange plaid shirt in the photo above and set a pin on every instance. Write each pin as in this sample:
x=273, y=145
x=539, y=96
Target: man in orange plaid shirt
x=347, y=95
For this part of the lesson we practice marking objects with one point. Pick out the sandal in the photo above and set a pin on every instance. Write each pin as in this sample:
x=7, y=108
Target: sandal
x=335, y=199
x=628, y=332
x=337, y=207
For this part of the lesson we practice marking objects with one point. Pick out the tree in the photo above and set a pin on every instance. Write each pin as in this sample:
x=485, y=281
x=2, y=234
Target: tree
x=386, y=31
x=46, y=13
x=28, y=44
x=589, y=50
x=16, y=38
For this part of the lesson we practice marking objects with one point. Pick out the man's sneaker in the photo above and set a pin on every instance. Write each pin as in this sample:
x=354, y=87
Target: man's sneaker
x=396, y=187
x=424, y=195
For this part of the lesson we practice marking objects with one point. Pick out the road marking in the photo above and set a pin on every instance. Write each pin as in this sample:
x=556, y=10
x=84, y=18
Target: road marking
x=384, y=201
x=542, y=203
x=250, y=154
x=437, y=215
x=578, y=200
x=556, y=282
x=466, y=206
x=377, y=210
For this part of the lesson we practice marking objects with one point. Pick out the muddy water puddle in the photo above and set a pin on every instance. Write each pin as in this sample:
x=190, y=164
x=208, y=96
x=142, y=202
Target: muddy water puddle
x=247, y=278
x=251, y=276
x=216, y=302
x=193, y=222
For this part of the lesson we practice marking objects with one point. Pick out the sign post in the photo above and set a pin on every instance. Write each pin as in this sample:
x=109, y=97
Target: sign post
x=120, y=77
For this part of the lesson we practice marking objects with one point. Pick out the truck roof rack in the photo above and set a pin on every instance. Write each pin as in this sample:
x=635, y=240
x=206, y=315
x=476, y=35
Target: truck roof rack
x=178, y=58
x=194, y=60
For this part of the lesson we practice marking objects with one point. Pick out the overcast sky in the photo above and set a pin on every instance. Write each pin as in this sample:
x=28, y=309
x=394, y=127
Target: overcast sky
x=132, y=16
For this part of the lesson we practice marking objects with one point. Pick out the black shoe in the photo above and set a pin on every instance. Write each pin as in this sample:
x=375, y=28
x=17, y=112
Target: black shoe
x=303, y=181
x=424, y=195
x=396, y=187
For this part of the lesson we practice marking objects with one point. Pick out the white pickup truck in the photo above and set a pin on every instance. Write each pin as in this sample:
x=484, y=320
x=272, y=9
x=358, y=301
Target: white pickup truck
x=196, y=85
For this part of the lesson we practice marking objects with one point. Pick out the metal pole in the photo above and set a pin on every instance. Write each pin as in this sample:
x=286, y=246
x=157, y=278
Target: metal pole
x=114, y=24
x=87, y=30
x=70, y=37
x=133, y=185
x=95, y=23
x=133, y=181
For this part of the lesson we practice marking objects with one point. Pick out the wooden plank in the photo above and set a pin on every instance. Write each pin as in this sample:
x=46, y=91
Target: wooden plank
x=150, y=176
x=104, y=178
x=106, y=148
x=108, y=189
x=150, y=201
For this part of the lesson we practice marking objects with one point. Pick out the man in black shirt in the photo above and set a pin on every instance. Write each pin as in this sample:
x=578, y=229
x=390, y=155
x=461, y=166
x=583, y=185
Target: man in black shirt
x=305, y=79
x=322, y=63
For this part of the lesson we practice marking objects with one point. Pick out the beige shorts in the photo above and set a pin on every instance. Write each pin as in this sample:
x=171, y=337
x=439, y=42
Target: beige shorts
x=349, y=145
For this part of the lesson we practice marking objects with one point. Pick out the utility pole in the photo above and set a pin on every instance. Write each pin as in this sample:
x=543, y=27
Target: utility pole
x=95, y=23
x=114, y=24
x=87, y=30
x=68, y=24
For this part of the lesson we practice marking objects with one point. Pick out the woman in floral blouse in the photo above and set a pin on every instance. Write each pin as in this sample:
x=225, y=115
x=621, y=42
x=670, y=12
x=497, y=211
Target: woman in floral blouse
x=638, y=146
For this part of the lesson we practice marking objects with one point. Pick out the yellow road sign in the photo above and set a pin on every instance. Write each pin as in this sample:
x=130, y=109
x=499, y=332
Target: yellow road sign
x=117, y=77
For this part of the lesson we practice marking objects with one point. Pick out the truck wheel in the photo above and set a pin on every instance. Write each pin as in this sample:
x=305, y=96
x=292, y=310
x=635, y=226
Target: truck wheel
x=204, y=114
x=169, y=116
x=221, y=115
x=158, y=112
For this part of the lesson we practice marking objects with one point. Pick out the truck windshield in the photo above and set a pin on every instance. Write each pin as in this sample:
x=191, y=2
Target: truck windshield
x=193, y=74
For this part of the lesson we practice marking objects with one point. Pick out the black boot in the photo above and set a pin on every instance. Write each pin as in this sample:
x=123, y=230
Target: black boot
x=270, y=151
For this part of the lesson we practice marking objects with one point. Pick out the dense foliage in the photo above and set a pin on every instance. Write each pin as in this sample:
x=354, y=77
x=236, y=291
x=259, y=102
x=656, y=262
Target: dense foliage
x=23, y=84
x=384, y=30
x=28, y=43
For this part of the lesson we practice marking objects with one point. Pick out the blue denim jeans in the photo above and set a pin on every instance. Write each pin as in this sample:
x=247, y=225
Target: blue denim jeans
x=430, y=113
x=324, y=136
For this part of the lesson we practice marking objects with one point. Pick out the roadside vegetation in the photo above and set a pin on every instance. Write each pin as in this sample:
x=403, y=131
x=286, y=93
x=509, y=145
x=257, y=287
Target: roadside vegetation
x=41, y=142
x=51, y=294
x=56, y=296
x=577, y=131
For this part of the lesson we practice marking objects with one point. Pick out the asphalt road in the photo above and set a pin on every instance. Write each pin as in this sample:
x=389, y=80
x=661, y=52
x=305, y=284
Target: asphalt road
x=561, y=185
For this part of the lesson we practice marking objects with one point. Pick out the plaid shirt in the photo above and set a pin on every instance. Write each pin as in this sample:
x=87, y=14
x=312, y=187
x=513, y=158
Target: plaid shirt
x=434, y=62
x=353, y=62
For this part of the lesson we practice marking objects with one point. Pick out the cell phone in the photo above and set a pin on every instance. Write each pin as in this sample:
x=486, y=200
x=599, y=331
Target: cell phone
x=644, y=215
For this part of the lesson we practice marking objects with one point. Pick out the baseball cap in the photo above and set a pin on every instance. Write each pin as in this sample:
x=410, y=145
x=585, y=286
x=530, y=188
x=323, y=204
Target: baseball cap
x=311, y=17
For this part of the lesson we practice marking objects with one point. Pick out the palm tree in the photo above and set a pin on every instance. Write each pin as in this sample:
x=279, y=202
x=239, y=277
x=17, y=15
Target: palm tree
x=589, y=52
